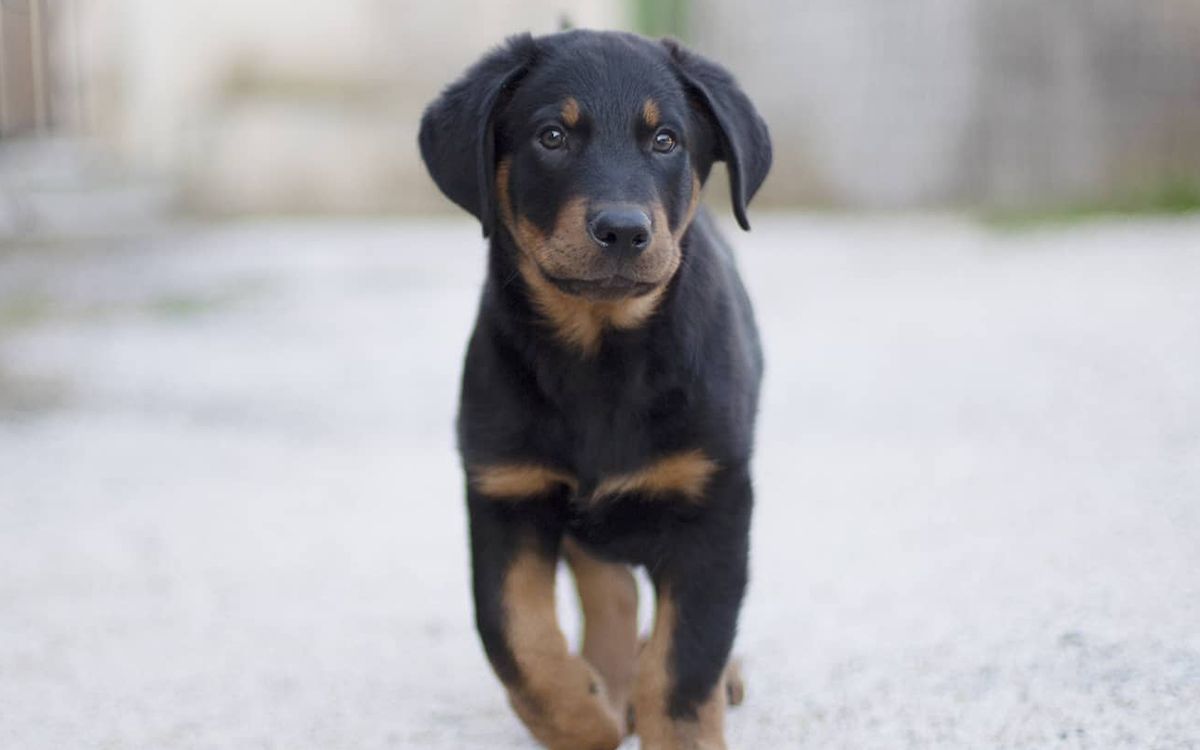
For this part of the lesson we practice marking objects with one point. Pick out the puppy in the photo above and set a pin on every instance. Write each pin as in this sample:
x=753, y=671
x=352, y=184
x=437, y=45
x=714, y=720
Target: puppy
x=608, y=399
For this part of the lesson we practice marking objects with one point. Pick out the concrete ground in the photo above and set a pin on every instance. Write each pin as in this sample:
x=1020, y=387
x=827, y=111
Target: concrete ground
x=231, y=514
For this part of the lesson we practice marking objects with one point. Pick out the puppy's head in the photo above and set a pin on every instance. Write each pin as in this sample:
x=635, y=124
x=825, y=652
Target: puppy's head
x=590, y=149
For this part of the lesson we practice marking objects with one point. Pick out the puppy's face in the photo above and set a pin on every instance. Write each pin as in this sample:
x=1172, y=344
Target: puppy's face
x=596, y=181
x=589, y=150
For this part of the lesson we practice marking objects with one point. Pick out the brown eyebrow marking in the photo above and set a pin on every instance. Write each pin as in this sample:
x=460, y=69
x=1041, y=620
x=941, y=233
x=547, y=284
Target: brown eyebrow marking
x=650, y=113
x=518, y=481
x=570, y=112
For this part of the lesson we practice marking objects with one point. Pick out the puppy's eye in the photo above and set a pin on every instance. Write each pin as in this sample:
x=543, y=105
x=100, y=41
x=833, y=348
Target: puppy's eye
x=552, y=138
x=665, y=141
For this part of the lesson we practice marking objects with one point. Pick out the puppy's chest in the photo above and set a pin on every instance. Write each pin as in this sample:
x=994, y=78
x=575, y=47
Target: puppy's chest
x=623, y=443
x=607, y=443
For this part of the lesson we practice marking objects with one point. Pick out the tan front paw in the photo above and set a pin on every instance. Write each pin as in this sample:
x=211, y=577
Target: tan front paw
x=566, y=708
x=684, y=737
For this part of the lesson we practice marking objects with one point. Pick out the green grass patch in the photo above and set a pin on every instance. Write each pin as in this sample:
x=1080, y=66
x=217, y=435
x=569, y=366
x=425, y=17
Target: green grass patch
x=25, y=309
x=661, y=17
x=1172, y=199
x=186, y=306
x=35, y=308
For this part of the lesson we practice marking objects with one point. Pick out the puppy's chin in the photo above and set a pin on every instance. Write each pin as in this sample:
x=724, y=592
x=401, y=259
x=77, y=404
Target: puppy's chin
x=616, y=287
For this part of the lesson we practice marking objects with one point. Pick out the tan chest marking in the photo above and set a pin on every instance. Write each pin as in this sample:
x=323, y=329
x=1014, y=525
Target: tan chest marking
x=518, y=481
x=686, y=473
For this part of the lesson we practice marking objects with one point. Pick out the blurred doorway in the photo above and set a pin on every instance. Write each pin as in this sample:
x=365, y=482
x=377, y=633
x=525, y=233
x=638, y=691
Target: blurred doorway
x=30, y=85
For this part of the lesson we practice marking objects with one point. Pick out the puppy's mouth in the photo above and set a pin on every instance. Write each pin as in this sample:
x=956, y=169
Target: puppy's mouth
x=614, y=287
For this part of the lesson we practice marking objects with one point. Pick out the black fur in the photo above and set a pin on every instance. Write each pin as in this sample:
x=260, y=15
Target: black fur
x=457, y=135
x=688, y=378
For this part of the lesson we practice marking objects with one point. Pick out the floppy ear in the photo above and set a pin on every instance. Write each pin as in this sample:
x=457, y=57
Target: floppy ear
x=458, y=139
x=743, y=142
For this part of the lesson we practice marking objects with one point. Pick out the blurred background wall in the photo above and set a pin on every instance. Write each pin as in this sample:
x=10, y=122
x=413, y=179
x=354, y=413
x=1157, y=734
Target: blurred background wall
x=1008, y=103
x=270, y=106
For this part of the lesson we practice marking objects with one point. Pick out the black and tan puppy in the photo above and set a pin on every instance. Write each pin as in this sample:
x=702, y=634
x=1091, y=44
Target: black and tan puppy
x=609, y=395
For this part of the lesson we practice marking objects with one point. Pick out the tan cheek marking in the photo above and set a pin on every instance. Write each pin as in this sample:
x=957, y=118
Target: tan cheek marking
x=573, y=320
x=570, y=112
x=650, y=113
x=560, y=698
x=518, y=481
x=693, y=206
x=655, y=728
x=569, y=245
x=684, y=473
x=608, y=596
x=662, y=258
x=503, y=198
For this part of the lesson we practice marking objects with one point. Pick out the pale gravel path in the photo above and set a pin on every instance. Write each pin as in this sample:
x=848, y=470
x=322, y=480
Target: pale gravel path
x=230, y=511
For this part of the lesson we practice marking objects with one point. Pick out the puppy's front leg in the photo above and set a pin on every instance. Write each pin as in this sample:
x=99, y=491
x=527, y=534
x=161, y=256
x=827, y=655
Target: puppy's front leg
x=681, y=693
x=515, y=547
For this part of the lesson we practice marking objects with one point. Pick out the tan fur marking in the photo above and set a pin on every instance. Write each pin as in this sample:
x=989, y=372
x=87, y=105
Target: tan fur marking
x=559, y=697
x=518, y=481
x=567, y=247
x=650, y=113
x=655, y=728
x=693, y=205
x=608, y=596
x=662, y=237
x=684, y=473
x=581, y=322
x=735, y=683
x=570, y=112
x=502, y=192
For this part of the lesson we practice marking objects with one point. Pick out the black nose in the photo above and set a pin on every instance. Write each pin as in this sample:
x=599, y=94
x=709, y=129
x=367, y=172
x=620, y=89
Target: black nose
x=621, y=229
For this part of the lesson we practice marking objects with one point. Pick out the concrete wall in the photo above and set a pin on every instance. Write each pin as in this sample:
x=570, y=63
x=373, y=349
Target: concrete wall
x=289, y=105
x=1011, y=103
x=294, y=105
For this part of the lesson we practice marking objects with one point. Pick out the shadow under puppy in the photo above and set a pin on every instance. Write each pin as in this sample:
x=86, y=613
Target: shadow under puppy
x=609, y=394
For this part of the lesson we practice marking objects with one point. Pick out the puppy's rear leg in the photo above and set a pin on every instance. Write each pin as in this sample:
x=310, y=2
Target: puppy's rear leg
x=558, y=696
x=735, y=683
x=608, y=596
